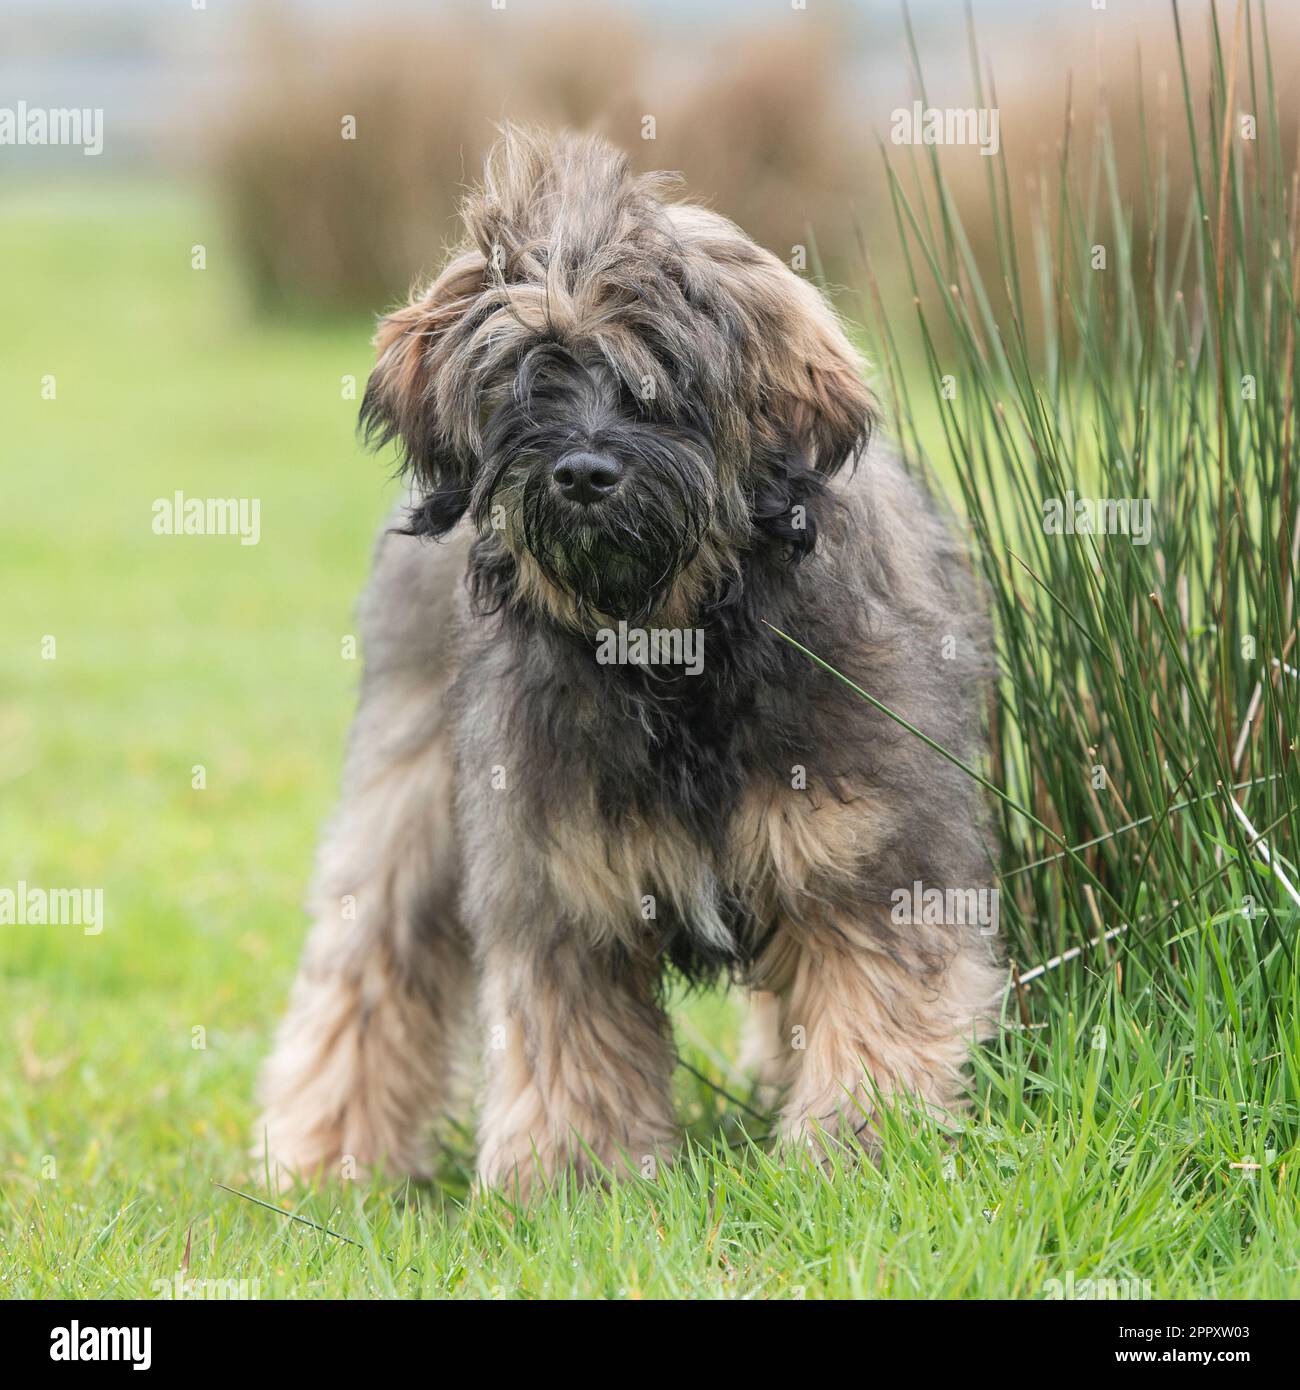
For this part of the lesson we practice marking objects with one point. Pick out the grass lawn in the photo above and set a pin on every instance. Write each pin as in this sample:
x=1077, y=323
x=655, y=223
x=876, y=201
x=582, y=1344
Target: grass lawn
x=1104, y=1142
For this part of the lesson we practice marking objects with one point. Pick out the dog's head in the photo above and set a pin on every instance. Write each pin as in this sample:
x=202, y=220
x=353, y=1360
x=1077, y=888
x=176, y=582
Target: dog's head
x=623, y=392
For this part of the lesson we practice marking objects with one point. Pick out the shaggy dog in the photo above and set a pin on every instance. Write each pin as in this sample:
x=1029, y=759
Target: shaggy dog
x=632, y=434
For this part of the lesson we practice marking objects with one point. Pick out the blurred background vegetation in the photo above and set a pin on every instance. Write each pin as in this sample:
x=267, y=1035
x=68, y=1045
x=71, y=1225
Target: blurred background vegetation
x=773, y=114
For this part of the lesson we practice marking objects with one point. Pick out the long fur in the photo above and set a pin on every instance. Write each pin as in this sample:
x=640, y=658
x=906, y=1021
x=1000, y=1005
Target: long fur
x=600, y=824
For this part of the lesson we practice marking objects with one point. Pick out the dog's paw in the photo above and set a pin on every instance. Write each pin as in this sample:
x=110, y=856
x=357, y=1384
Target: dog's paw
x=319, y=1157
x=826, y=1130
x=285, y=1167
x=524, y=1169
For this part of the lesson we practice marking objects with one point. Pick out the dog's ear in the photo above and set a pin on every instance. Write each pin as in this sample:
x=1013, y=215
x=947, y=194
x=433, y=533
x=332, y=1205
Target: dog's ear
x=412, y=397
x=792, y=374
x=820, y=400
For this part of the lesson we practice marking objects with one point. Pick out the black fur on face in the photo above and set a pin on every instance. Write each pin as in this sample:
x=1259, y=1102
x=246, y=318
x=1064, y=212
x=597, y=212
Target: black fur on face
x=618, y=556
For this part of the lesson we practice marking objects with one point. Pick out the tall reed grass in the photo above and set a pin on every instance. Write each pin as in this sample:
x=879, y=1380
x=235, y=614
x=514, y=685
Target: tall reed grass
x=1146, y=716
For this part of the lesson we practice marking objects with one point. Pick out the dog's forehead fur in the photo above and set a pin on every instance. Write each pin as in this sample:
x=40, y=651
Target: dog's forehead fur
x=566, y=244
x=580, y=251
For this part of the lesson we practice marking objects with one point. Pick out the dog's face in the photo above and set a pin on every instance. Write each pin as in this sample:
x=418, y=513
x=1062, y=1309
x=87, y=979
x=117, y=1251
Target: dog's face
x=595, y=492
x=625, y=394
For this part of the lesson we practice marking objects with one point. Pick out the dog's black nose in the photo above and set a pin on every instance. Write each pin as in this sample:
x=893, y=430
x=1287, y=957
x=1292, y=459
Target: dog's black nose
x=587, y=477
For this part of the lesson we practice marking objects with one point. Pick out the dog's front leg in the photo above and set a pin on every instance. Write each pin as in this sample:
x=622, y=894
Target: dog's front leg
x=579, y=1060
x=369, y=1055
x=868, y=1014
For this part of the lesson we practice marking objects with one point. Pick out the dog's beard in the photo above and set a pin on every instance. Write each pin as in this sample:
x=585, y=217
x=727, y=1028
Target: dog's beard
x=620, y=557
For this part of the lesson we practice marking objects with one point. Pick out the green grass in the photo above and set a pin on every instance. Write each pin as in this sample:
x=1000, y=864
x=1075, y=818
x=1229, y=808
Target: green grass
x=1105, y=1140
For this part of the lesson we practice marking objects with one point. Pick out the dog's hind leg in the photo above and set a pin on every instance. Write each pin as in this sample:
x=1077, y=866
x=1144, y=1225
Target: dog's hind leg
x=366, y=1057
x=762, y=1046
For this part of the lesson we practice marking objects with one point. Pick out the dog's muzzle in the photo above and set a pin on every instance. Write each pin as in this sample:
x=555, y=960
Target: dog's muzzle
x=587, y=476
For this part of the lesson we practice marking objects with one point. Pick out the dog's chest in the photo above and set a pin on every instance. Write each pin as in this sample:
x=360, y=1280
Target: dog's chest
x=672, y=812
x=652, y=883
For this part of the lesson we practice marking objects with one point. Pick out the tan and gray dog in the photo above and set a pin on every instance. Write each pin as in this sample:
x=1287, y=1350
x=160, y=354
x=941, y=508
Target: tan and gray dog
x=584, y=760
